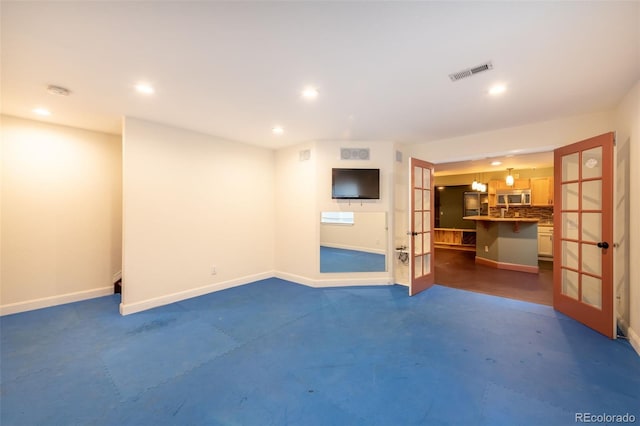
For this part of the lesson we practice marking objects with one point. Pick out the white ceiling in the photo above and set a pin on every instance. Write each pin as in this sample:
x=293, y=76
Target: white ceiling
x=236, y=69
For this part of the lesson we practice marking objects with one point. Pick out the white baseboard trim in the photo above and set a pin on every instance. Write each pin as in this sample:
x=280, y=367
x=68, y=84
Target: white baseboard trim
x=334, y=282
x=117, y=276
x=46, y=302
x=131, y=308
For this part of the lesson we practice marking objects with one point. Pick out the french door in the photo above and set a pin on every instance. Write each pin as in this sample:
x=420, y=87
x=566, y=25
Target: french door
x=421, y=245
x=583, y=224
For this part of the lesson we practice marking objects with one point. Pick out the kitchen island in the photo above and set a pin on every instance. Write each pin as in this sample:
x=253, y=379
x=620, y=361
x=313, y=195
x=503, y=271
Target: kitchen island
x=507, y=242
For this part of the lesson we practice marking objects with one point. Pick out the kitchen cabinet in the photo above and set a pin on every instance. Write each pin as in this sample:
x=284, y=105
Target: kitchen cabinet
x=542, y=191
x=491, y=190
x=517, y=184
x=520, y=184
x=545, y=241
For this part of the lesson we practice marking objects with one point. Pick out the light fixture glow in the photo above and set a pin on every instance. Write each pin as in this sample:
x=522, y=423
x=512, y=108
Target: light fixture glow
x=496, y=163
x=144, y=88
x=310, y=93
x=497, y=89
x=509, y=180
x=42, y=111
x=277, y=130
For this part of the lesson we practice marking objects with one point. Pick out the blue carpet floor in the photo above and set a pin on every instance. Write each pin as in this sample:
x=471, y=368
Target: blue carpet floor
x=277, y=353
x=342, y=260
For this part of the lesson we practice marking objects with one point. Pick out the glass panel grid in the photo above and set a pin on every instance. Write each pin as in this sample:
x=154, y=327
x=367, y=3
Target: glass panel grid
x=417, y=177
x=418, y=224
x=570, y=167
x=426, y=196
x=592, y=163
x=591, y=227
x=570, y=254
x=417, y=244
x=592, y=195
x=417, y=266
x=417, y=199
x=592, y=291
x=570, y=283
x=591, y=260
x=570, y=196
x=426, y=263
x=570, y=225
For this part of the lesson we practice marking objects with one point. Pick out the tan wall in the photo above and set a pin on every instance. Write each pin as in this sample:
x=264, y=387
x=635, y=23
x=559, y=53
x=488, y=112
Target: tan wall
x=61, y=214
x=627, y=222
x=191, y=202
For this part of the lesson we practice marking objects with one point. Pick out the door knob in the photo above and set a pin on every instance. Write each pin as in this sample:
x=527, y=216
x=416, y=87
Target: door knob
x=413, y=234
x=603, y=244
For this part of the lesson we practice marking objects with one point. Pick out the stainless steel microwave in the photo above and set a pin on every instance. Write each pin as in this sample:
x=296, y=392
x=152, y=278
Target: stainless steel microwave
x=513, y=197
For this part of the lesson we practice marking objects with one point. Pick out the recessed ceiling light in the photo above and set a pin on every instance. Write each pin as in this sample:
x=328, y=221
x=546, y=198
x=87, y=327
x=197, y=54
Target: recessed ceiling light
x=144, y=88
x=496, y=163
x=310, y=93
x=42, y=111
x=497, y=89
x=277, y=130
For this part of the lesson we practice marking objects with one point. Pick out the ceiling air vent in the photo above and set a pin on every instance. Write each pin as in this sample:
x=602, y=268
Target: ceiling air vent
x=471, y=71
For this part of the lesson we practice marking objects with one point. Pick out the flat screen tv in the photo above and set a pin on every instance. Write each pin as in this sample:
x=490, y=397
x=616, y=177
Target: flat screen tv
x=355, y=184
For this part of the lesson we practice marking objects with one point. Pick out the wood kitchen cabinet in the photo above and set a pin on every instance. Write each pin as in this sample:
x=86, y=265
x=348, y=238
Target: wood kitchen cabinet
x=517, y=184
x=491, y=190
x=545, y=242
x=542, y=191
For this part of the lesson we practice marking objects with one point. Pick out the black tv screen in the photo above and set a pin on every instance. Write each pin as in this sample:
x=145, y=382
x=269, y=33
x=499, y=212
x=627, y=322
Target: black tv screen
x=363, y=184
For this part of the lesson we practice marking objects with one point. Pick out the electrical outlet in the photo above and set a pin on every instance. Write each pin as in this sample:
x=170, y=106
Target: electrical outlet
x=213, y=270
x=486, y=249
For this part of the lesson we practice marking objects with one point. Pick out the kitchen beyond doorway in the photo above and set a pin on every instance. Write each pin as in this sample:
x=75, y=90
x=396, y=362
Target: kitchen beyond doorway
x=457, y=269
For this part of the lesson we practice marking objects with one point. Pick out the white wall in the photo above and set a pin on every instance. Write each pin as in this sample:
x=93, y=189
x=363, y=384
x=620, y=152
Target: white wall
x=304, y=190
x=191, y=202
x=537, y=137
x=627, y=220
x=401, y=182
x=61, y=214
x=297, y=250
x=381, y=157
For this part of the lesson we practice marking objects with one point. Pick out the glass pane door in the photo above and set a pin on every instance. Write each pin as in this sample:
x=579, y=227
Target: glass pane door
x=583, y=271
x=422, y=268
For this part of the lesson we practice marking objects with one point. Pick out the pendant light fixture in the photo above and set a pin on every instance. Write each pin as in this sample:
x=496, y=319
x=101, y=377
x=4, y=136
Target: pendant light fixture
x=478, y=185
x=509, y=179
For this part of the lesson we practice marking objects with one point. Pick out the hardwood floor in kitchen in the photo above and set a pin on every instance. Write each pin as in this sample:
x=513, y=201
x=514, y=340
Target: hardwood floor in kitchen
x=457, y=269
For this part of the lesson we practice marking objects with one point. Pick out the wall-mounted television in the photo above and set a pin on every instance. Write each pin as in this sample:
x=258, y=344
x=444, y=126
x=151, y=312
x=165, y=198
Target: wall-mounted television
x=355, y=184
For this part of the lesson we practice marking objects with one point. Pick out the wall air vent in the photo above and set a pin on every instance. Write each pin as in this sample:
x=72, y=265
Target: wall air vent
x=354, y=154
x=471, y=71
